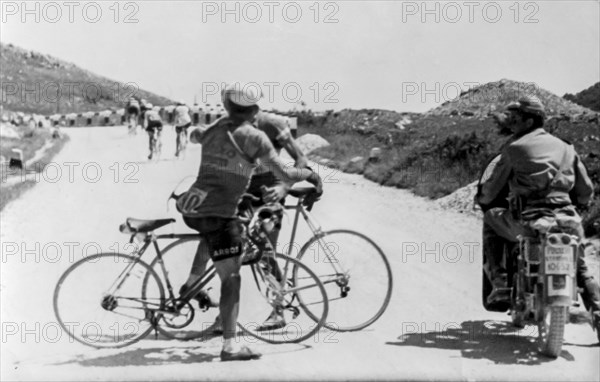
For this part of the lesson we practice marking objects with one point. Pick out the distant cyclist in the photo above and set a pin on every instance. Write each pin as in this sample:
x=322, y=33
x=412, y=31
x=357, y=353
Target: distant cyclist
x=153, y=125
x=182, y=122
x=133, y=112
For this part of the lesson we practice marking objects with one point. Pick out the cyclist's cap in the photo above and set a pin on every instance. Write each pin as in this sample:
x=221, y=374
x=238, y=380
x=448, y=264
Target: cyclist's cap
x=528, y=104
x=242, y=94
x=180, y=102
x=149, y=106
x=156, y=108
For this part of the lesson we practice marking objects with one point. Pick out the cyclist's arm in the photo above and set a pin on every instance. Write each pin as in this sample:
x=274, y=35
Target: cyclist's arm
x=292, y=148
x=496, y=182
x=196, y=134
x=290, y=175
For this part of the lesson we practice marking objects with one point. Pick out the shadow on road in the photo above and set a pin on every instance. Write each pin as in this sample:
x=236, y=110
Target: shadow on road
x=167, y=355
x=151, y=356
x=497, y=341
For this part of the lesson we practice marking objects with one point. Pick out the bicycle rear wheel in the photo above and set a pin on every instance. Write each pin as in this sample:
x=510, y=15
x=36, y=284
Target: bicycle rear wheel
x=190, y=322
x=267, y=287
x=97, y=300
x=356, y=275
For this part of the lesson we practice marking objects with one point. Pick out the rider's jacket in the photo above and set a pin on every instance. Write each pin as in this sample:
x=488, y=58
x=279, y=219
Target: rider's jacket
x=225, y=170
x=540, y=169
x=276, y=128
x=182, y=115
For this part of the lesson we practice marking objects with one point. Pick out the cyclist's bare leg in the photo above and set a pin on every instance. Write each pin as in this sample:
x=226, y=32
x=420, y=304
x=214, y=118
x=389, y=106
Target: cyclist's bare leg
x=177, y=141
x=228, y=271
x=151, y=138
x=199, y=264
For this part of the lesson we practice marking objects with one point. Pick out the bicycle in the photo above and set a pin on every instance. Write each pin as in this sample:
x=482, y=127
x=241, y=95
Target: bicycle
x=140, y=299
x=355, y=271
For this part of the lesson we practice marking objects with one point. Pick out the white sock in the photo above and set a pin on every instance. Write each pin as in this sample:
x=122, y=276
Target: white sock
x=230, y=346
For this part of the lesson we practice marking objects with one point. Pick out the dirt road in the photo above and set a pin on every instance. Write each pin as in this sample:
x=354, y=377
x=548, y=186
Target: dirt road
x=434, y=328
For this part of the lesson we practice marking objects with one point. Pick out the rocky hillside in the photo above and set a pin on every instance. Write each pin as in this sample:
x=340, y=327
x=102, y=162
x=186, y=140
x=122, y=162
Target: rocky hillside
x=589, y=97
x=490, y=98
x=81, y=90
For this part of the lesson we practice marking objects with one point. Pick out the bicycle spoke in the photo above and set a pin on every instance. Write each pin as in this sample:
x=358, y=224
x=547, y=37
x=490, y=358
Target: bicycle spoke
x=356, y=274
x=96, y=318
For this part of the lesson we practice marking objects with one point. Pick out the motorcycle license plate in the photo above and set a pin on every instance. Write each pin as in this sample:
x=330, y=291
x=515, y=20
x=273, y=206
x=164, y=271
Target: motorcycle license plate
x=559, y=260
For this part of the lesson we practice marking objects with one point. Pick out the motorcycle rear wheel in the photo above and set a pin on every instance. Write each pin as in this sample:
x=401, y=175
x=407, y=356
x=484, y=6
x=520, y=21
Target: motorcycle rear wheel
x=551, y=330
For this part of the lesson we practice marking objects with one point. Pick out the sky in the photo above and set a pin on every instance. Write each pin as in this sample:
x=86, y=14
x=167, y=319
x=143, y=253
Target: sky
x=395, y=55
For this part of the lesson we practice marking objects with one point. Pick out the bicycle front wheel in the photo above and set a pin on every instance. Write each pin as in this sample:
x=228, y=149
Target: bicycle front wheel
x=270, y=300
x=98, y=301
x=356, y=274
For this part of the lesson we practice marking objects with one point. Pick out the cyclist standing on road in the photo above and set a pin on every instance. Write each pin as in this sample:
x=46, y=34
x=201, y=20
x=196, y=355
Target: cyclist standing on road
x=153, y=125
x=211, y=204
x=182, y=122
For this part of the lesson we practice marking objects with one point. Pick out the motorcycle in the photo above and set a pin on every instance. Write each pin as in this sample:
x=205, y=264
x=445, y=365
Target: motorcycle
x=541, y=269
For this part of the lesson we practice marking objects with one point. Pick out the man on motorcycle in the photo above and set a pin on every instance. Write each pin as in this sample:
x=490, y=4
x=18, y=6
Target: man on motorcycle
x=541, y=171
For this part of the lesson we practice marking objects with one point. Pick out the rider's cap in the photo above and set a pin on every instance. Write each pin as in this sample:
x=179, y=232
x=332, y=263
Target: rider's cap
x=528, y=104
x=242, y=94
x=149, y=106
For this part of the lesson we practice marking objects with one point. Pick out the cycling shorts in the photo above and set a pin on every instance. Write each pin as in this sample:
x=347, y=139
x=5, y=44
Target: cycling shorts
x=184, y=127
x=223, y=235
x=133, y=110
x=154, y=125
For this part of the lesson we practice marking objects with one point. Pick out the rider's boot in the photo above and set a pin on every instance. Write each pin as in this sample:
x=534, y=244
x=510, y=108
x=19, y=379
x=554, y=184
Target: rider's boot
x=493, y=249
x=500, y=286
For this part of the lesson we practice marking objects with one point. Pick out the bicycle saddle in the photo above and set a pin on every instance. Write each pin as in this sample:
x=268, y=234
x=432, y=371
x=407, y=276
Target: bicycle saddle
x=301, y=191
x=133, y=225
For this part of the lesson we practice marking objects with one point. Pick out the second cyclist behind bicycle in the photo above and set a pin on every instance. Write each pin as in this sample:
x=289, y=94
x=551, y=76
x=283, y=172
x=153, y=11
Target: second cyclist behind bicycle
x=182, y=122
x=153, y=126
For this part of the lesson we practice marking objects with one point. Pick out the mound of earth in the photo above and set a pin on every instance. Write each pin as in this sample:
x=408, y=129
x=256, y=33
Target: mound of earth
x=461, y=200
x=490, y=98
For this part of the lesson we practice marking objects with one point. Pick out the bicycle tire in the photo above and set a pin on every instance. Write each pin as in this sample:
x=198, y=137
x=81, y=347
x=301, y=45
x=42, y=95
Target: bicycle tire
x=70, y=321
x=200, y=326
x=343, y=304
x=254, y=309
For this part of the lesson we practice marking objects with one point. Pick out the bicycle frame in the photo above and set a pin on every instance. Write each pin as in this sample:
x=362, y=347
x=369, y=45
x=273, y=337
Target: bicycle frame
x=316, y=230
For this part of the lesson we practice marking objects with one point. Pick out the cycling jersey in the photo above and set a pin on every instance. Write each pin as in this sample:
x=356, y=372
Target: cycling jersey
x=182, y=115
x=225, y=172
x=133, y=107
x=152, y=120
